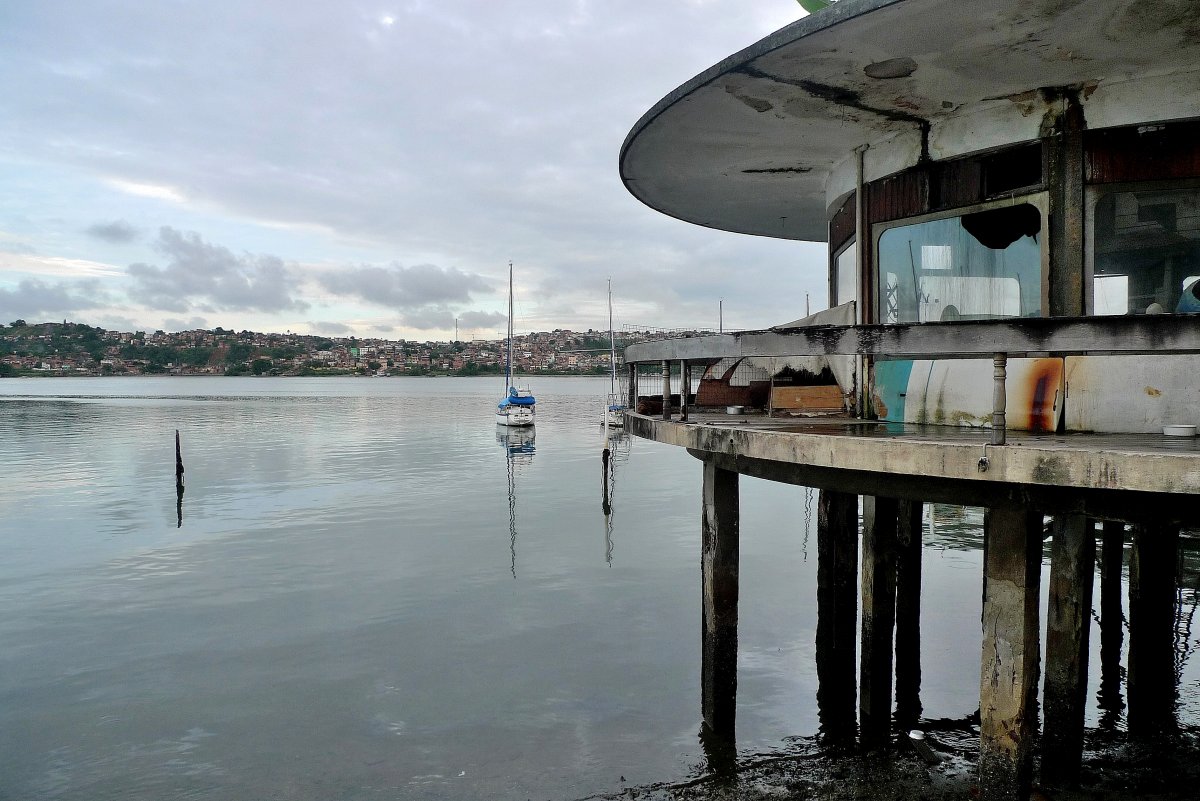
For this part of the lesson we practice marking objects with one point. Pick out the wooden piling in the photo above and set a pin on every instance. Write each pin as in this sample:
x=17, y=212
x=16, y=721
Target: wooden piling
x=719, y=571
x=878, y=620
x=1153, y=582
x=1112, y=624
x=1009, y=664
x=908, y=613
x=837, y=613
x=1068, y=624
x=178, y=461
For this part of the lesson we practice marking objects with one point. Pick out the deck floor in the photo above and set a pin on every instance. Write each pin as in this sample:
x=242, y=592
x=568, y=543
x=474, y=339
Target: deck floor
x=839, y=426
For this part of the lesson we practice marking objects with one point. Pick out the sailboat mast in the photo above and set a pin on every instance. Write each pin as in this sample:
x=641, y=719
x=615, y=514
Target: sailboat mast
x=612, y=344
x=508, y=363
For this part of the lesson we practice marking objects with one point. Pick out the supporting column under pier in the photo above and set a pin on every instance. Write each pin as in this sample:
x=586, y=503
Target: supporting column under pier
x=1068, y=624
x=1153, y=582
x=1112, y=624
x=719, y=571
x=878, y=620
x=908, y=614
x=837, y=613
x=1009, y=669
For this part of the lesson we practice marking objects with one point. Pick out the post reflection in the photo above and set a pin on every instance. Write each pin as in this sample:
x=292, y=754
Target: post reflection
x=616, y=449
x=519, y=448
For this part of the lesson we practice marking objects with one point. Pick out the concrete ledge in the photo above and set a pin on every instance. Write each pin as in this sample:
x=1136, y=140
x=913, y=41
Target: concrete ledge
x=1078, y=473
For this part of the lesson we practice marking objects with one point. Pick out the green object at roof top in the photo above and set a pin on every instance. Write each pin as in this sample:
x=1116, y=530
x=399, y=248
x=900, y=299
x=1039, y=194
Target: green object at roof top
x=815, y=5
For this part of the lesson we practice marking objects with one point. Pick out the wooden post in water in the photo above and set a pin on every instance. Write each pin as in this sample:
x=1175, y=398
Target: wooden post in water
x=178, y=483
x=1009, y=669
x=719, y=572
x=837, y=613
x=878, y=620
x=1068, y=623
x=908, y=613
x=633, y=388
x=1153, y=582
x=1112, y=624
x=178, y=462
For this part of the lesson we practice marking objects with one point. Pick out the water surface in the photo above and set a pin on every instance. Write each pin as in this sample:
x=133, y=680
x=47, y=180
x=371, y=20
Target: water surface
x=370, y=591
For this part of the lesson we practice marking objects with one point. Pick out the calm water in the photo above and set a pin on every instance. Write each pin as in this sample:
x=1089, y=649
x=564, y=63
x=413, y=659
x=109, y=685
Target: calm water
x=374, y=593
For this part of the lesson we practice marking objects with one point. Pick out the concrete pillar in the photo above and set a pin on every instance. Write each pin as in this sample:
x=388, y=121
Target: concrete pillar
x=1112, y=624
x=1153, y=582
x=837, y=613
x=1009, y=669
x=878, y=620
x=666, y=376
x=1062, y=130
x=719, y=572
x=1068, y=624
x=908, y=614
x=685, y=383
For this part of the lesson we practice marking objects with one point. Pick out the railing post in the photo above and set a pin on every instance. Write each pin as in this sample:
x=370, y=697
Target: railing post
x=666, y=370
x=685, y=384
x=999, y=373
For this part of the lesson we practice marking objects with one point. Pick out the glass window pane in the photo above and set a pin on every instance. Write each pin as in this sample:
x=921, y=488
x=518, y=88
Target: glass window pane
x=1151, y=240
x=973, y=267
x=847, y=267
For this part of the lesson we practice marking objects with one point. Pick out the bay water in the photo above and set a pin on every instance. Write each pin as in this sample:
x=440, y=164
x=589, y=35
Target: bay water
x=368, y=590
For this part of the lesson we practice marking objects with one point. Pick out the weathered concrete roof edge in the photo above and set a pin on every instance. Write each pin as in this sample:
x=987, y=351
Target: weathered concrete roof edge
x=830, y=17
x=805, y=26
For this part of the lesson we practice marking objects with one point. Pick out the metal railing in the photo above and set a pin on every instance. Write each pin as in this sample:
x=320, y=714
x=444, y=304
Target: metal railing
x=995, y=339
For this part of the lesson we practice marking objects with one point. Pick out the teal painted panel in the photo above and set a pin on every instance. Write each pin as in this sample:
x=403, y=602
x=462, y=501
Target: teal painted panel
x=890, y=389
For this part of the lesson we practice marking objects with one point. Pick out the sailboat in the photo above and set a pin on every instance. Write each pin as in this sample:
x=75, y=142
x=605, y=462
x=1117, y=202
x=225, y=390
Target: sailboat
x=614, y=405
x=517, y=406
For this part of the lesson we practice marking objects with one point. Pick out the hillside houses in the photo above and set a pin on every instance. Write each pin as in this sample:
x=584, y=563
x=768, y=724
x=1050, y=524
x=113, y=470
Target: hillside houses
x=77, y=349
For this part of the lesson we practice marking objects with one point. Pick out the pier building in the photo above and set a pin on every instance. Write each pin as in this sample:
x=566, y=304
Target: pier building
x=1010, y=195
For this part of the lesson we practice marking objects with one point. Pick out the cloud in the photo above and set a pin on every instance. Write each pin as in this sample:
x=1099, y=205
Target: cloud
x=118, y=232
x=33, y=298
x=401, y=287
x=211, y=278
x=429, y=319
x=479, y=319
x=328, y=327
x=172, y=324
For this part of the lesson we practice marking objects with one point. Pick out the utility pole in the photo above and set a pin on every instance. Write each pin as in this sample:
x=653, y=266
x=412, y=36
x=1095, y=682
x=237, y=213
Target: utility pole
x=721, y=316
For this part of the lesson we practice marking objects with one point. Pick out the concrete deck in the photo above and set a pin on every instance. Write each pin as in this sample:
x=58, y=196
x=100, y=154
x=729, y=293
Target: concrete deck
x=1090, y=473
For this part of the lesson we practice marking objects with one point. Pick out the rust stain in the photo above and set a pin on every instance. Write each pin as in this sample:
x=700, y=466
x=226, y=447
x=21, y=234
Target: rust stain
x=1043, y=384
x=1154, y=393
x=881, y=408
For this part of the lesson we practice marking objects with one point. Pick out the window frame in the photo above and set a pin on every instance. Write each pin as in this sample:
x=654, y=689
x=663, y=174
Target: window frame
x=1092, y=195
x=1039, y=200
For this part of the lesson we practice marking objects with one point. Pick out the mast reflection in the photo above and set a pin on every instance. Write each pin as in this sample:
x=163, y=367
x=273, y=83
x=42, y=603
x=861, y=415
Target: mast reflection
x=616, y=449
x=518, y=446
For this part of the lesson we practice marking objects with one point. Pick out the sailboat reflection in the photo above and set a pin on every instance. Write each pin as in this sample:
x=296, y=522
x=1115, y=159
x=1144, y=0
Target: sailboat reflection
x=518, y=452
x=616, y=449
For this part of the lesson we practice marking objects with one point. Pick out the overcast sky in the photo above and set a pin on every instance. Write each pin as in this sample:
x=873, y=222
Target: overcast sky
x=338, y=167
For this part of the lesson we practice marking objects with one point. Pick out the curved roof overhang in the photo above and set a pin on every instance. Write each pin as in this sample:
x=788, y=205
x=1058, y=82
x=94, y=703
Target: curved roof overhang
x=763, y=143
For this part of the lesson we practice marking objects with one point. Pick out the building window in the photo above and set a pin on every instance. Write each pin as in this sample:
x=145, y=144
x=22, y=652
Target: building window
x=846, y=275
x=977, y=266
x=1146, y=252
